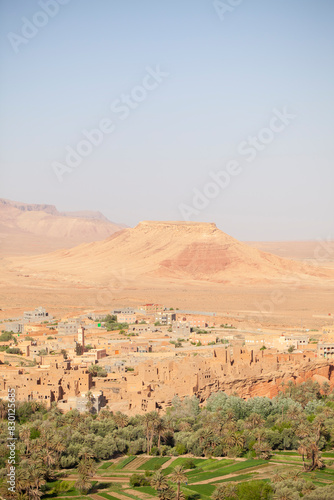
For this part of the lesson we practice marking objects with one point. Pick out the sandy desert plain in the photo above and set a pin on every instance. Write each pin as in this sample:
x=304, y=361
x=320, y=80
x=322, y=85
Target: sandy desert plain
x=80, y=261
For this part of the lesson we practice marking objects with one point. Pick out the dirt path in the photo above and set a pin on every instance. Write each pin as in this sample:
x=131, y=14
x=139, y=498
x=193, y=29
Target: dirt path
x=167, y=464
x=101, y=479
x=95, y=496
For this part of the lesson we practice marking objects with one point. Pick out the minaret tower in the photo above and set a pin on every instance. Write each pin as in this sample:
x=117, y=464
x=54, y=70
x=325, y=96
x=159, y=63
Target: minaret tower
x=81, y=337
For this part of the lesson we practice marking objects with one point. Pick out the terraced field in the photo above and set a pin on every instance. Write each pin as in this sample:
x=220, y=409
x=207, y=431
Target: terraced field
x=112, y=478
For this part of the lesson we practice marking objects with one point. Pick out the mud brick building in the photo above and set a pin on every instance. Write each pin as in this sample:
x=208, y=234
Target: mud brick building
x=53, y=382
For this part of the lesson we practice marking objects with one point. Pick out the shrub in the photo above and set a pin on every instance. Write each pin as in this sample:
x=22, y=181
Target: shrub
x=180, y=449
x=97, y=371
x=165, y=450
x=5, y=336
x=254, y=490
x=68, y=462
x=189, y=464
x=14, y=350
x=138, y=480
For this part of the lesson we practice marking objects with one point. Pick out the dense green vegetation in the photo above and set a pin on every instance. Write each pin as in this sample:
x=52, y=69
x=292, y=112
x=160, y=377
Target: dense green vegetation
x=110, y=322
x=260, y=448
x=5, y=336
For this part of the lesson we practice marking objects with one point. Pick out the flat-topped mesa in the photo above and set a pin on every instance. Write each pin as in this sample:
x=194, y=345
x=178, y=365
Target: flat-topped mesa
x=30, y=207
x=177, y=226
x=175, y=251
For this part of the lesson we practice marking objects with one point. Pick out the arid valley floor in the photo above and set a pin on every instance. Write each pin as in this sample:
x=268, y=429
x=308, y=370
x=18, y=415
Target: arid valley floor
x=169, y=356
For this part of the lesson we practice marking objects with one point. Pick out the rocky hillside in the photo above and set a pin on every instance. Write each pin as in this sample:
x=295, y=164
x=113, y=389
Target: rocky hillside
x=32, y=229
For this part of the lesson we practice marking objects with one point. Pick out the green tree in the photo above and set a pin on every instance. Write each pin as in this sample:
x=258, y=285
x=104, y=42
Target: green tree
x=6, y=336
x=254, y=490
x=64, y=353
x=178, y=476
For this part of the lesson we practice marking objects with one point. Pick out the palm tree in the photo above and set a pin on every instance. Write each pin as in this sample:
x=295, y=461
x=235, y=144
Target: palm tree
x=327, y=412
x=286, y=493
x=161, y=430
x=313, y=453
x=303, y=431
x=21, y=480
x=260, y=434
x=24, y=434
x=293, y=413
x=147, y=423
x=89, y=406
x=233, y=439
x=33, y=480
x=121, y=420
x=86, y=469
x=254, y=421
x=223, y=491
x=263, y=450
x=278, y=476
x=104, y=415
x=206, y=435
x=294, y=475
x=86, y=454
x=150, y=421
x=90, y=402
x=302, y=450
x=178, y=476
x=155, y=422
x=230, y=415
x=308, y=487
x=34, y=406
x=58, y=447
x=184, y=426
x=83, y=484
x=159, y=482
x=229, y=441
x=48, y=456
x=290, y=388
x=21, y=496
x=167, y=494
x=318, y=424
x=3, y=409
x=239, y=440
x=326, y=388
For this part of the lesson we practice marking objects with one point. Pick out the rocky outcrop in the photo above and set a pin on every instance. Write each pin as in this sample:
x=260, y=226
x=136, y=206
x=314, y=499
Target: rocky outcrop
x=271, y=383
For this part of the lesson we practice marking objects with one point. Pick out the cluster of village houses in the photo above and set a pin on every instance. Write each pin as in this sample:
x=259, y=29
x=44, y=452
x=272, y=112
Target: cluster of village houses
x=162, y=353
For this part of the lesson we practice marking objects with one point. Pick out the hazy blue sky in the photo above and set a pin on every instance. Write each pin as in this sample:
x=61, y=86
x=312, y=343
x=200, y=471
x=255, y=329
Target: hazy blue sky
x=227, y=73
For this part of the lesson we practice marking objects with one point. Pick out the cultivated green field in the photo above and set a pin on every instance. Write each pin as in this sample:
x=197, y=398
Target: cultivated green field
x=202, y=479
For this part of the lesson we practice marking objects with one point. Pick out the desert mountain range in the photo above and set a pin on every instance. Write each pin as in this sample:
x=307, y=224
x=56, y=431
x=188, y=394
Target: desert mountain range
x=27, y=229
x=153, y=251
x=82, y=261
